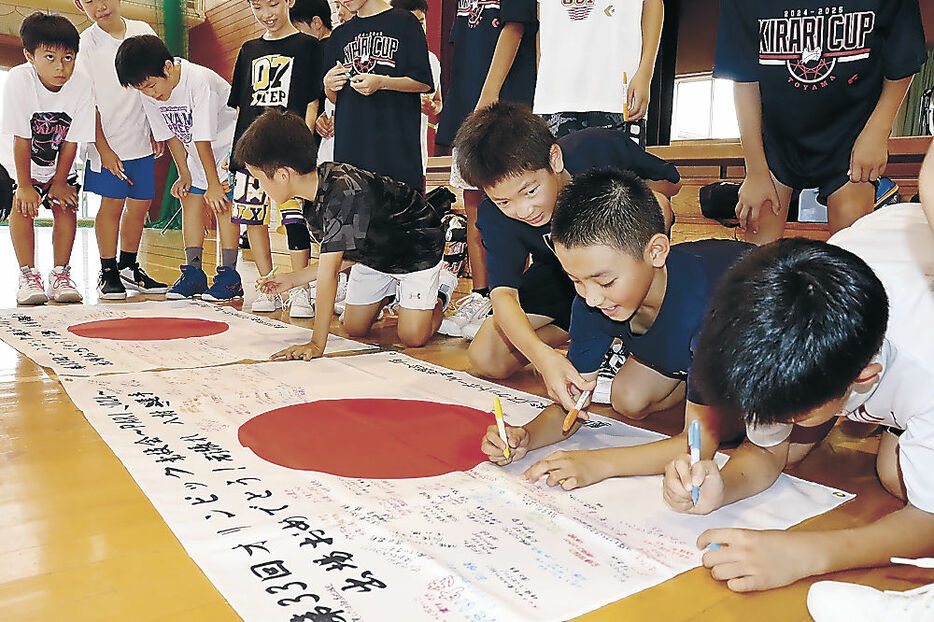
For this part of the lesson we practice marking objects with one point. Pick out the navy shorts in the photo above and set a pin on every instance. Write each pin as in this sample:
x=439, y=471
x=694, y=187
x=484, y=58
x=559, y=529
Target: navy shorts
x=546, y=290
x=139, y=171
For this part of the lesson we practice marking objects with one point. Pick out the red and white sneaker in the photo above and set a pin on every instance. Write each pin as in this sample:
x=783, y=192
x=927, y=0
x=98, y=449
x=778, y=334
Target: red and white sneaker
x=61, y=287
x=31, y=290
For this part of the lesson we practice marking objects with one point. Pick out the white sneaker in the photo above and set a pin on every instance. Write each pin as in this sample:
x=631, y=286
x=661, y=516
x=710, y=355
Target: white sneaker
x=339, y=299
x=834, y=601
x=31, y=291
x=299, y=303
x=61, y=287
x=266, y=303
x=468, y=309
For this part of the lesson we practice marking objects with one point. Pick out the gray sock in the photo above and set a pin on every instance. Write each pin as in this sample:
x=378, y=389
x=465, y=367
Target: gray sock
x=229, y=257
x=193, y=256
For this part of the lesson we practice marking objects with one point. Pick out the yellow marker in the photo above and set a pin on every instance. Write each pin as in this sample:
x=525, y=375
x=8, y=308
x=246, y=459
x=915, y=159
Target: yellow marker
x=625, y=98
x=500, y=425
x=272, y=272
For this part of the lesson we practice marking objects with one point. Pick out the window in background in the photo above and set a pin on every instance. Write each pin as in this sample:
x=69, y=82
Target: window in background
x=703, y=108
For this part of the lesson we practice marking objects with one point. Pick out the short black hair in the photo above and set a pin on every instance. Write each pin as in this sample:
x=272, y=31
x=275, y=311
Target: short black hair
x=788, y=329
x=48, y=29
x=303, y=11
x=501, y=141
x=277, y=139
x=140, y=58
x=607, y=207
x=410, y=5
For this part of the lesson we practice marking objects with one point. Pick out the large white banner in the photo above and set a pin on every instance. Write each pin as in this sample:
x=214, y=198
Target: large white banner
x=240, y=461
x=86, y=340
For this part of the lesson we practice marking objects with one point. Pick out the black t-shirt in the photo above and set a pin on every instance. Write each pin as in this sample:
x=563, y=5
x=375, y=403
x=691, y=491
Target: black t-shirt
x=509, y=242
x=820, y=68
x=374, y=220
x=281, y=73
x=694, y=269
x=381, y=132
x=474, y=35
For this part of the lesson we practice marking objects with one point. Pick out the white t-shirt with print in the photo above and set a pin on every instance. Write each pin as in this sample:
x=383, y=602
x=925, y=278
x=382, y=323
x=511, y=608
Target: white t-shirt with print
x=196, y=111
x=122, y=117
x=47, y=118
x=586, y=45
x=898, y=245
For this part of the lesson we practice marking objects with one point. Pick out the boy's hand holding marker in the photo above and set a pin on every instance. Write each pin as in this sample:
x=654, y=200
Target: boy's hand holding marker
x=494, y=446
x=273, y=284
x=692, y=485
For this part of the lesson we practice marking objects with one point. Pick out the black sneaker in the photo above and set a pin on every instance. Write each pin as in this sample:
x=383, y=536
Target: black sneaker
x=109, y=286
x=136, y=278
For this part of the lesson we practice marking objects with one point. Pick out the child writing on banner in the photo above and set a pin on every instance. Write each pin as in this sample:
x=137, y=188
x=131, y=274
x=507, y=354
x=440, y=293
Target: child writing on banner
x=632, y=284
x=277, y=69
x=493, y=60
x=509, y=153
x=815, y=110
x=388, y=232
x=48, y=110
x=186, y=105
x=378, y=67
x=825, y=330
x=120, y=163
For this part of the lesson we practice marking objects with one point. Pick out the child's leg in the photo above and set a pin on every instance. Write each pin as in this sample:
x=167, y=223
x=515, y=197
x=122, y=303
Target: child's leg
x=132, y=223
x=367, y=292
x=771, y=225
x=416, y=326
x=64, y=225
x=423, y=295
x=24, y=238
x=228, y=239
x=106, y=226
x=260, y=246
x=887, y=465
x=638, y=391
x=357, y=319
x=193, y=221
x=492, y=355
x=476, y=254
x=850, y=202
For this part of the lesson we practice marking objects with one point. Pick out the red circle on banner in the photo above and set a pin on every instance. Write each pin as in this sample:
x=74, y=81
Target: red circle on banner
x=148, y=328
x=370, y=438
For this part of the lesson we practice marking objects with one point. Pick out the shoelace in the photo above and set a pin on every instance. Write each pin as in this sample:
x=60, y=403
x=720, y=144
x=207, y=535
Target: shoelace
x=62, y=279
x=292, y=297
x=467, y=305
x=34, y=280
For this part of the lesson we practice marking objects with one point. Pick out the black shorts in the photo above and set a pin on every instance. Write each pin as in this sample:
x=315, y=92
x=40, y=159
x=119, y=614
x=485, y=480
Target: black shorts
x=546, y=290
x=563, y=123
x=826, y=183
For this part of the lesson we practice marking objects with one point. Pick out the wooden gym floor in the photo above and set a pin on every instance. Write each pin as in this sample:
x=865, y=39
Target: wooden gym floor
x=80, y=541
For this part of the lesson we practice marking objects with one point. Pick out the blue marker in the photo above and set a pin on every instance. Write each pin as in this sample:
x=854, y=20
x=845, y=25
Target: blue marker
x=694, y=444
x=713, y=546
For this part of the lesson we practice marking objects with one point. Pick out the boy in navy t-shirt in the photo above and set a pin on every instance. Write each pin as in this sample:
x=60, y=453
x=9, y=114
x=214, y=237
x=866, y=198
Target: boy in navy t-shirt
x=509, y=153
x=378, y=67
x=818, y=88
x=632, y=284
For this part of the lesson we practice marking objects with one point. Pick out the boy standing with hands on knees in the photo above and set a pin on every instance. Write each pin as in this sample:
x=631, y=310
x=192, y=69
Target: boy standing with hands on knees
x=824, y=330
x=632, y=284
x=186, y=105
x=48, y=109
x=280, y=69
x=120, y=162
x=383, y=228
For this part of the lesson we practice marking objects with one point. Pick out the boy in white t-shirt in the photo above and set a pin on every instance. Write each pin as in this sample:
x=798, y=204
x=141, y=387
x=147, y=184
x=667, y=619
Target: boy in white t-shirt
x=120, y=162
x=586, y=48
x=824, y=330
x=186, y=104
x=48, y=110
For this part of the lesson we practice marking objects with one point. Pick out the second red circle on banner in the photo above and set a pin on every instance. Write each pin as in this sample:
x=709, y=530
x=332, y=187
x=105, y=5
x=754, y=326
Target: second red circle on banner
x=148, y=328
x=375, y=438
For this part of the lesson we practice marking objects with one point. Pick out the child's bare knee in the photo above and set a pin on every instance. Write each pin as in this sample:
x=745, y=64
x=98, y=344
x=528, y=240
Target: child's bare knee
x=356, y=328
x=630, y=405
x=414, y=337
x=484, y=362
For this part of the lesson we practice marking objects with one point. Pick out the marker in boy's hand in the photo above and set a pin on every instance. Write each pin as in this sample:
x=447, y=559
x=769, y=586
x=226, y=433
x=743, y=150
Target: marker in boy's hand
x=680, y=480
x=336, y=77
x=275, y=284
x=494, y=447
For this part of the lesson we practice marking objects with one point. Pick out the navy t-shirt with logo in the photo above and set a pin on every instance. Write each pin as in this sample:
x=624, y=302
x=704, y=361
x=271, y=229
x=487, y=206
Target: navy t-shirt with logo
x=277, y=73
x=509, y=242
x=474, y=35
x=381, y=132
x=820, y=68
x=694, y=269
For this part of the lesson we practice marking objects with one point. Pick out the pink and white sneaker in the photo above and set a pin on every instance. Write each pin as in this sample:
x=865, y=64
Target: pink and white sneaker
x=61, y=287
x=31, y=290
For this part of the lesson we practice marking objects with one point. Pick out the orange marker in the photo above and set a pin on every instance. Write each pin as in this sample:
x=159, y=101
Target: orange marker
x=572, y=414
x=625, y=98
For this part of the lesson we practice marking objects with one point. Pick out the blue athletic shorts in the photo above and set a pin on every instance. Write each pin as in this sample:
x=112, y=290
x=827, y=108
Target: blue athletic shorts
x=194, y=190
x=139, y=171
